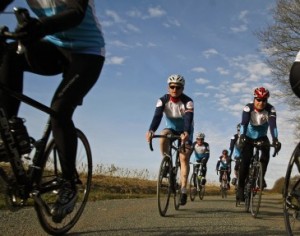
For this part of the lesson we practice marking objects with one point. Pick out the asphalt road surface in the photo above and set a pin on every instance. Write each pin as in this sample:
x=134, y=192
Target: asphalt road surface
x=211, y=216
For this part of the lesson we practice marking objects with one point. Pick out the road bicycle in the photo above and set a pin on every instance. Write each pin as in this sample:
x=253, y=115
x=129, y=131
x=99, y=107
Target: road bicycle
x=197, y=181
x=291, y=194
x=254, y=181
x=168, y=180
x=31, y=171
x=224, y=183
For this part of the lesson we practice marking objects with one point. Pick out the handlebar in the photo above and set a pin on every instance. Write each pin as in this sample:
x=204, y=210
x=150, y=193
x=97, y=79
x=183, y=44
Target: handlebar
x=259, y=144
x=168, y=136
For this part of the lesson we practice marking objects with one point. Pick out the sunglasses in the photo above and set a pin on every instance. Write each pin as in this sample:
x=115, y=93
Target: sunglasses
x=261, y=100
x=175, y=87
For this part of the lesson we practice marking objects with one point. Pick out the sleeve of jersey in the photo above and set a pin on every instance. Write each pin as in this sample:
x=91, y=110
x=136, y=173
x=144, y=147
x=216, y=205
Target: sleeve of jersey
x=69, y=18
x=272, y=123
x=207, y=152
x=158, y=114
x=245, y=119
x=189, y=117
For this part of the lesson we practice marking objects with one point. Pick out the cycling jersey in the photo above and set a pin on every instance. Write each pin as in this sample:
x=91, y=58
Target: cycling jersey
x=201, y=151
x=223, y=163
x=255, y=123
x=179, y=114
x=86, y=37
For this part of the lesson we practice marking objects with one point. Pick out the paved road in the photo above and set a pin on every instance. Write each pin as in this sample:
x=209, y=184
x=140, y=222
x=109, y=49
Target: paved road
x=212, y=216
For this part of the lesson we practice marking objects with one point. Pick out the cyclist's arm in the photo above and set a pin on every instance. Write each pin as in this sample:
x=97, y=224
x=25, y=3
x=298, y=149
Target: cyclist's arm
x=70, y=17
x=246, y=115
x=158, y=114
x=207, y=153
x=273, y=125
x=189, y=117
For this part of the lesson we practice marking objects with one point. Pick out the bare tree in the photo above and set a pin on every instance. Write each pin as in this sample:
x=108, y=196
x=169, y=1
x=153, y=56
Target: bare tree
x=281, y=41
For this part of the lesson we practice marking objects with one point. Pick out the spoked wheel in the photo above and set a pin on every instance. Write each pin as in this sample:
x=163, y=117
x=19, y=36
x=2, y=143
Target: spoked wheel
x=177, y=187
x=51, y=180
x=291, y=195
x=256, y=189
x=163, y=185
x=224, y=189
x=193, y=187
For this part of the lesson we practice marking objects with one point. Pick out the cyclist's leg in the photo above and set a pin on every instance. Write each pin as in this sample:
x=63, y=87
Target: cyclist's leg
x=265, y=157
x=184, y=172
x=164, y=143
x=80, y=74
x=244, y=169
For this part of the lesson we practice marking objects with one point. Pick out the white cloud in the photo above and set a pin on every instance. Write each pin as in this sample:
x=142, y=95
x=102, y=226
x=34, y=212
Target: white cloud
x=114, y=15
x=156, y=11
x=200, y=94
x=210, y=52
x=222, y=71
x=115, y=60
x=132, y=28
x=239, y=29
x=201, y=81
x=199, y=69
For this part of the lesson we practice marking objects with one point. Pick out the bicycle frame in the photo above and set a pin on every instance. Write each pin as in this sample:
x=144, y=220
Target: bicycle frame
x=27, y=178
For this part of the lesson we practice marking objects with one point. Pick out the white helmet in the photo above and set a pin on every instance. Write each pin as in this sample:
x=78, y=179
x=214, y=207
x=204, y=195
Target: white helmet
x=177, y=79
x=200, y=136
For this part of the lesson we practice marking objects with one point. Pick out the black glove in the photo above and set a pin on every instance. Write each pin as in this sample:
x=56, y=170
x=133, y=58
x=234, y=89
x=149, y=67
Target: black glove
x=204, y=160
x=4, y=4
x=30, y=30
x=276, y=144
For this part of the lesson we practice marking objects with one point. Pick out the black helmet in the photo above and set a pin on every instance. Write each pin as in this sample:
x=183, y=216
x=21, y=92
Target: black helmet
x=295, y=78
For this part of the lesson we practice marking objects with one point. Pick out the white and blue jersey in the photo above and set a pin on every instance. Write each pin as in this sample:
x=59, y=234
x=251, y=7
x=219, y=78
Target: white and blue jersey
x=255, y=123
x=234, y=150
x=179, y=114
x=86, y=37
x=201, y=151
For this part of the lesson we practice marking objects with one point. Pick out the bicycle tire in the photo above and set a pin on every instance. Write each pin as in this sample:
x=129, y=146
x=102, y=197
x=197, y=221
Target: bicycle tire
x=163, y=185
x=52, y=174
x=201, y=192
x=193, y=187
x=291, y=204
x=256, y=189
x=177, y=187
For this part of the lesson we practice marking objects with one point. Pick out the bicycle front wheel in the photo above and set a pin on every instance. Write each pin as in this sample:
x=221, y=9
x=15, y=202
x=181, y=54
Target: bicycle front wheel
x=247, y=195
x=52, y=176
x=177, y=187
x=193, y=187
x=163, y=185
x=201, y=191
x=256, y=189
x=291, y=194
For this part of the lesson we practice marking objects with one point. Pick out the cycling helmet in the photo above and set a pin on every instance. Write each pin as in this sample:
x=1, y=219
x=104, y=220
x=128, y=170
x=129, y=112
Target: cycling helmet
x=177, y=79
x=295, y=79
x=200, y=136
x=261, y=93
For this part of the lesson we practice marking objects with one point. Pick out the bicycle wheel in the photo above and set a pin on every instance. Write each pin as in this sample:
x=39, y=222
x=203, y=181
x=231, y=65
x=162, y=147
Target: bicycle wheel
x=177, y=187
x=201, y=191
x=193, y=187
x=49, y=185
x=163, y=185
x=291, y=194
x=256, y=189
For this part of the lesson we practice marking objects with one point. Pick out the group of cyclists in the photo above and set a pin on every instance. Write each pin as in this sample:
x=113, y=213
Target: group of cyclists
x=257, y=117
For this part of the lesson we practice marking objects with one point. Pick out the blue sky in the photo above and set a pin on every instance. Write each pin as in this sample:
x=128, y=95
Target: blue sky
x=211, y=43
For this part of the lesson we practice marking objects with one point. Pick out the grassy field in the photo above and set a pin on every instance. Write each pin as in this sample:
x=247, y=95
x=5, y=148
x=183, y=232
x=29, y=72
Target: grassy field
x=124, y=184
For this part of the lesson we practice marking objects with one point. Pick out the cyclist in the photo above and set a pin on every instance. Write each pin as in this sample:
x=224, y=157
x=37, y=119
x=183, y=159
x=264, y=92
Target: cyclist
x=66, y=38
x=223, y=165
x=235, y=151
x=179, y=113
x=202, y=153
x=256, y=118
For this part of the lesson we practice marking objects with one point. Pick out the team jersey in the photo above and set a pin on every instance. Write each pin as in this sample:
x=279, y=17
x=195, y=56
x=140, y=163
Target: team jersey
x=255, y=123
x=87, y=37
x=201, y=151
x=223, y=163
x=179, y=114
